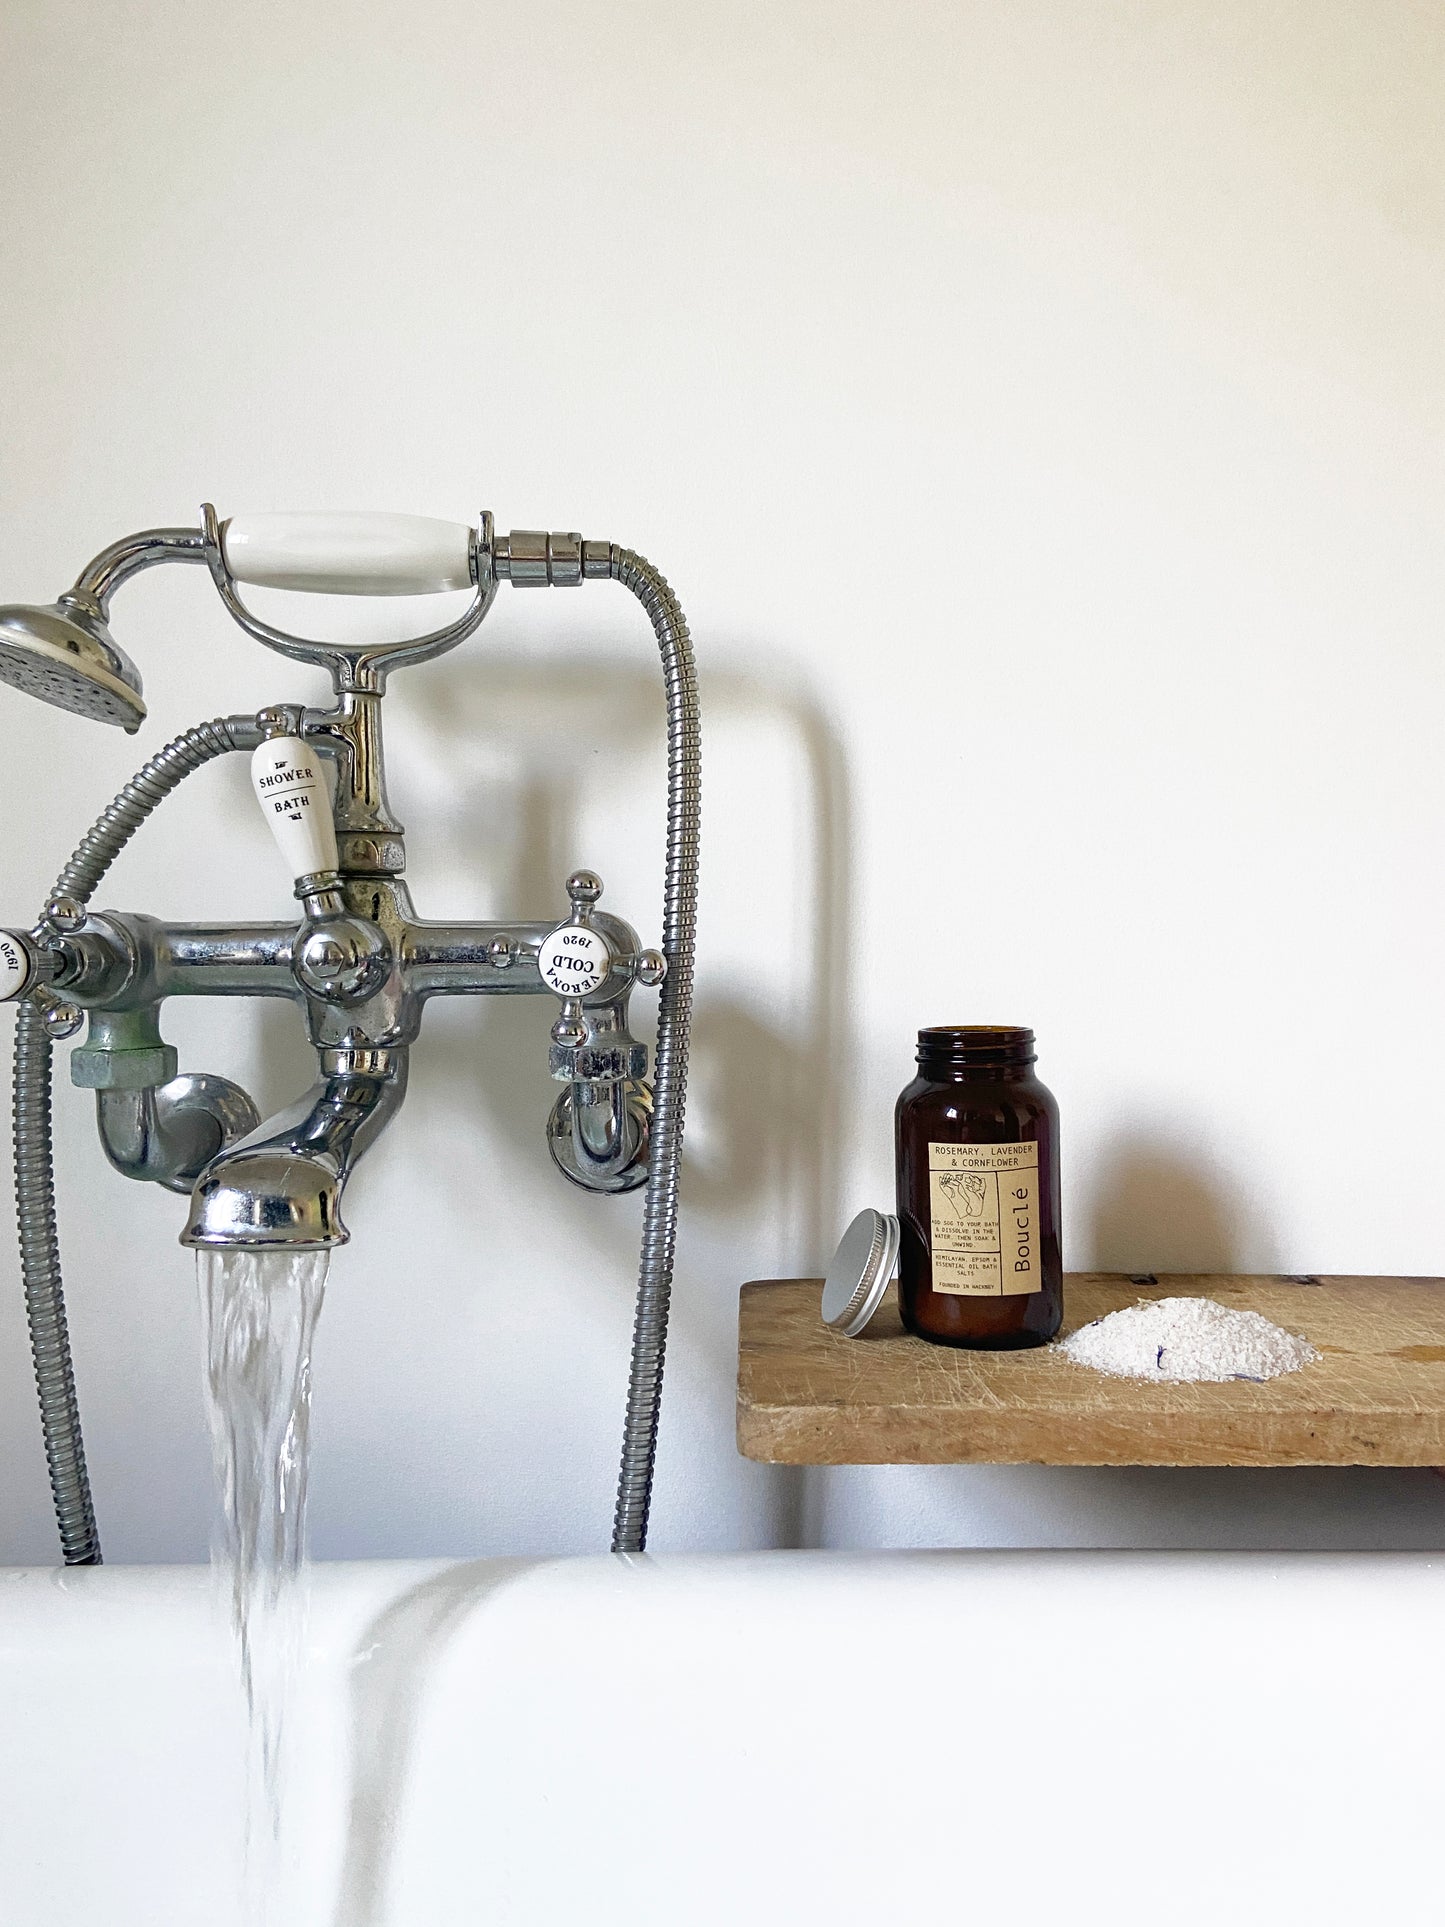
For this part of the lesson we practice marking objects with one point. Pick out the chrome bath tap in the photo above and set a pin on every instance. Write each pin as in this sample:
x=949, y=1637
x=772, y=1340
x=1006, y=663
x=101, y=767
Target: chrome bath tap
x=356, y=958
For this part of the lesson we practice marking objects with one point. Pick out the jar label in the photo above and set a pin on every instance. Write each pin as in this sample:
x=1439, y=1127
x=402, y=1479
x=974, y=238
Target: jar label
x=984, y=1219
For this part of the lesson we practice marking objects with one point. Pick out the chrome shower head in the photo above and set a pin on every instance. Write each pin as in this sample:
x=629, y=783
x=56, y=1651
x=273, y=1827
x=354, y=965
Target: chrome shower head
x=65, y=655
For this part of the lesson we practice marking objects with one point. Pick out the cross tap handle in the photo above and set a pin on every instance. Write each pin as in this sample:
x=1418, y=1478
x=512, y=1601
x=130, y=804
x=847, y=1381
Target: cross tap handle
x=577, y=959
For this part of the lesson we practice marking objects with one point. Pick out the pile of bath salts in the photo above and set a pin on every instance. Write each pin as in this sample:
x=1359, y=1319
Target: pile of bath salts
x=1185, y=1340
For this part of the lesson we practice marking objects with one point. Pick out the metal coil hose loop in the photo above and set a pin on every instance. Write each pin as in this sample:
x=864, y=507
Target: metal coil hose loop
x=34, y=1153
x=674, y=1019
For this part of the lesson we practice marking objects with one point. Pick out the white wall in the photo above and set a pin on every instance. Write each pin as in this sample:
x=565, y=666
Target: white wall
x=1039, y=403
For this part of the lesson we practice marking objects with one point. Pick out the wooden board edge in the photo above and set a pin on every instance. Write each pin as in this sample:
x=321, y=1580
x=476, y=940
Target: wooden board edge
x=801, y=1435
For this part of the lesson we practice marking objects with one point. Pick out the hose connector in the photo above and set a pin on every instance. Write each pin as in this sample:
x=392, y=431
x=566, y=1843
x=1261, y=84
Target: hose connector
x=536, y=559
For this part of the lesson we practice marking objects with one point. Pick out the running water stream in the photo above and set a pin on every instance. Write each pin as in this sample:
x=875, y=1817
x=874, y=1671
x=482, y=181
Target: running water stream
x=259, y=1312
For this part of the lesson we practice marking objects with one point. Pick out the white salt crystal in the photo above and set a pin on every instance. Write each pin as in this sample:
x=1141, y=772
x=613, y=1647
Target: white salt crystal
x=1184, y=1340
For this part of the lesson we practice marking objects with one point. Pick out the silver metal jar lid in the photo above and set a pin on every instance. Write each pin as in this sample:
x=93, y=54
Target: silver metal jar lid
x=860, y=1272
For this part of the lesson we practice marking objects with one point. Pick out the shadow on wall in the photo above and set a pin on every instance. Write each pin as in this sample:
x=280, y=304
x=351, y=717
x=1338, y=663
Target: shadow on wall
x=517, y=744
x=765, y=1100
x=1158, y=1208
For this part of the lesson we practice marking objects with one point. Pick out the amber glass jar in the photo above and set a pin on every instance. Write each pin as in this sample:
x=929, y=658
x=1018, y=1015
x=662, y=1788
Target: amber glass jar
x=978, y=1192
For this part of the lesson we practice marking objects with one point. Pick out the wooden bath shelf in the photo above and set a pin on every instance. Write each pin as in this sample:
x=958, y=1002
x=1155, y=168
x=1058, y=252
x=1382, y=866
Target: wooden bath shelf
x=1376, y=1396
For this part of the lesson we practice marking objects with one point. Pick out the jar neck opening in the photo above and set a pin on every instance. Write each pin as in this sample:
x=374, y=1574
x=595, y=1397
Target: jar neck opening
x=950, y=1049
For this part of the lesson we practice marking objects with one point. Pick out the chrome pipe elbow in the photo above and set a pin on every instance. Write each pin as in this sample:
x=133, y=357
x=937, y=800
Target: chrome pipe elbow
x=169, y=1133
x=599, y=1134
x=156, y=1126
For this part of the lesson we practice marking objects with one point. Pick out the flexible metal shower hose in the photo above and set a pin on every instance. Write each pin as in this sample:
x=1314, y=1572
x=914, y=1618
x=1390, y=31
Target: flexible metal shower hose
x=34, y=1160
x=674, y=1018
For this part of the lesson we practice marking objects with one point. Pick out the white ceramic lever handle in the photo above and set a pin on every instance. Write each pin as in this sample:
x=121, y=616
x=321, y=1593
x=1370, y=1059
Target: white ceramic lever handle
x=349, y=552
x=290, y=786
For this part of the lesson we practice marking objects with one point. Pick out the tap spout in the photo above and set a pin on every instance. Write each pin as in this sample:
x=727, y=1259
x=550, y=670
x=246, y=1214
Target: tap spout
x=281, y=1187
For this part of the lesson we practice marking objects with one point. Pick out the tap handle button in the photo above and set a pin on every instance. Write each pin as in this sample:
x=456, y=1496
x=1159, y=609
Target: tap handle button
x=64, y=916
x=61, y=1018
x=651, y=967
x=19, y=959
x=290, y=786
x=584, y=887
x=570, y=1029
x=574, y=961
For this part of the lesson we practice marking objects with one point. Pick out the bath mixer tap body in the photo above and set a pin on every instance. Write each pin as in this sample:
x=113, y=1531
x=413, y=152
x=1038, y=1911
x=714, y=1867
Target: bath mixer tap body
x=355, y=958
